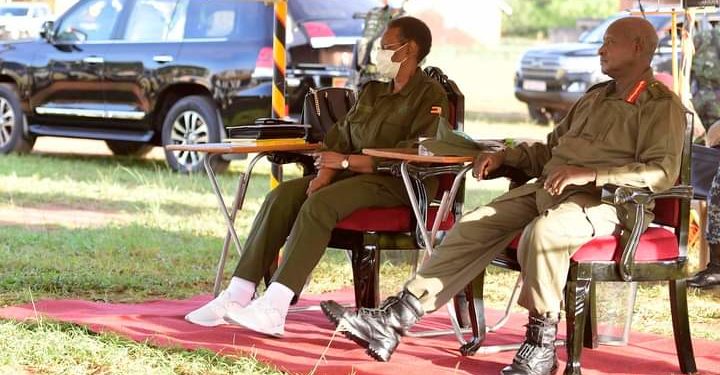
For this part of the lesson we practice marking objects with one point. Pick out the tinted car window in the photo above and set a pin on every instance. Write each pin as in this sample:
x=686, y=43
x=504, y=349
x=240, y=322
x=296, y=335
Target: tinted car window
x=329, y=9
x=150, y=21
x=232, y=19
x=93, y=20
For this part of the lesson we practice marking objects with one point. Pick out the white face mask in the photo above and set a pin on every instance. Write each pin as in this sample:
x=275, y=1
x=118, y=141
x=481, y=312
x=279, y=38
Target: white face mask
x=386, y=68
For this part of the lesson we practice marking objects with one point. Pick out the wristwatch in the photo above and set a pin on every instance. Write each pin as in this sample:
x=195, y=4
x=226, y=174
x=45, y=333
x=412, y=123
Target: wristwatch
x=345, y=163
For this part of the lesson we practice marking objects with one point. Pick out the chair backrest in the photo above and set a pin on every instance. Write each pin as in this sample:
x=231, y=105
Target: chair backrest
x=456, y=99
x=455, y=116
x=675, y=212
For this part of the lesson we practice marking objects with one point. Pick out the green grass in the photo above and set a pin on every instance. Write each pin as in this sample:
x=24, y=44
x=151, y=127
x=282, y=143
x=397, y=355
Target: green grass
x=164, y=236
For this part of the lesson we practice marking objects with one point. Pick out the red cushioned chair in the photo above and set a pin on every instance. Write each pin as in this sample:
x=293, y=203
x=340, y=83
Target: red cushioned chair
x=658, y=254
x=369, y=230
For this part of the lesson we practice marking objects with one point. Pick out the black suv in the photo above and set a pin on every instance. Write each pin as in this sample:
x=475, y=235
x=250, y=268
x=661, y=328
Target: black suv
x=551, y=78
x=139, y=73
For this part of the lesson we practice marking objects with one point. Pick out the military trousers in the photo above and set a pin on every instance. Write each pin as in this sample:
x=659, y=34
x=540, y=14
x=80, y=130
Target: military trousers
x=304, y=224
x=550, y=236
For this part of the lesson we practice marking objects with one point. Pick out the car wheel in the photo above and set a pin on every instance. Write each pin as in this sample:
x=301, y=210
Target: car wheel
x=123, y=148
x=12, y=138
x=192, y=120
x=538, y=115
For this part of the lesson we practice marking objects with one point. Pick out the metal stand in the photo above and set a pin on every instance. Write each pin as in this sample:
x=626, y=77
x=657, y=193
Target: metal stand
x=231, y=213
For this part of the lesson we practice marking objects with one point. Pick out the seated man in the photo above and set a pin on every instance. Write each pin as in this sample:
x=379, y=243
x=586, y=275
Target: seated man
x=302, y=213
x=626, y=131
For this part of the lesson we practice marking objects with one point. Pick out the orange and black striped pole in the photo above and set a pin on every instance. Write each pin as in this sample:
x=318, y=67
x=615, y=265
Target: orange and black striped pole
x=279, y=108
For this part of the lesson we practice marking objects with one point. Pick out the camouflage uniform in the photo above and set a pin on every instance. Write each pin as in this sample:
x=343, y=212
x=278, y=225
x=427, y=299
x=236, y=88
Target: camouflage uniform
x=706, y=70
x=713, y=217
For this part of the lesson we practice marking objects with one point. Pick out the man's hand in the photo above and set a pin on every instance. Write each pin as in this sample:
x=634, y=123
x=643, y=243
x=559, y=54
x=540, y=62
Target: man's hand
x=320, y=181
x=487, y=162
x=560, y=177
x=329, y=159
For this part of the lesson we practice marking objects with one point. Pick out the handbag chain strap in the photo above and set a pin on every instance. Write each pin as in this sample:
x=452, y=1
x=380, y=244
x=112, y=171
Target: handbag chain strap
x=315, y=99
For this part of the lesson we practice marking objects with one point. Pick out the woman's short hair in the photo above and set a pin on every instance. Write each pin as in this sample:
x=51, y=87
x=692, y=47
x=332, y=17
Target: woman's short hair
x=413, y=29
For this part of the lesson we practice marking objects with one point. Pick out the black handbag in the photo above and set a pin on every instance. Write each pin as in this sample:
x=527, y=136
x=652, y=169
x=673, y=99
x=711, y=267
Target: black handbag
x=324, y=107
x=703, y=168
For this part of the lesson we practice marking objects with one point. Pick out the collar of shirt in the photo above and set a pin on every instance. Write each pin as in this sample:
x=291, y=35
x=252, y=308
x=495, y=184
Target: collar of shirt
x=415, y=81
x=611, y=89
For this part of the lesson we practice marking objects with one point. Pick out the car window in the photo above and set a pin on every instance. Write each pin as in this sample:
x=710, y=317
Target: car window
x=329, y=9
x=150, y=21
x=91, y=21
x=13, y=11
x=250, y=20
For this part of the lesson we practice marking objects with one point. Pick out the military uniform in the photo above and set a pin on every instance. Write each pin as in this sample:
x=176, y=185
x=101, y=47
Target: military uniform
x=379, y=119
x=706, y=70
x=636, y=144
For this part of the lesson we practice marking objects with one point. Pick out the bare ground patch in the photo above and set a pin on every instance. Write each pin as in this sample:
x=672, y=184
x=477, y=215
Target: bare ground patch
x=50, y=216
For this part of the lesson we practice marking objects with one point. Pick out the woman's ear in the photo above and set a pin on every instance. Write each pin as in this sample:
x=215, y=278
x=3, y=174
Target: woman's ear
x=413, y=49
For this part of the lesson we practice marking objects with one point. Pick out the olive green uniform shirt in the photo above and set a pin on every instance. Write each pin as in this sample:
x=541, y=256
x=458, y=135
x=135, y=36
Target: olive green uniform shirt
x=383, y=119
x=635, y=144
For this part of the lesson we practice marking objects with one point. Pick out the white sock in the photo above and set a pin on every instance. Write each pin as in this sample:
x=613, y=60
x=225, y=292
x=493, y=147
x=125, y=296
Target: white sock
x=279, y=297
x=241, y=290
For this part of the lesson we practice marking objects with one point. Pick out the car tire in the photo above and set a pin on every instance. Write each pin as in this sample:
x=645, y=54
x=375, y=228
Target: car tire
x=124, y=148
x=192, y=120
x=537, y=115
x=12, y=119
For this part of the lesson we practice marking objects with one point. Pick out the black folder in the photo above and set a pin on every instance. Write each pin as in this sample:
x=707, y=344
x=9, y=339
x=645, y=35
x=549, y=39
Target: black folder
x=269, y=129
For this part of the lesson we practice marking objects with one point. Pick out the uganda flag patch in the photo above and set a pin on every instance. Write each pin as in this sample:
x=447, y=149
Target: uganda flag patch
x=436, y=110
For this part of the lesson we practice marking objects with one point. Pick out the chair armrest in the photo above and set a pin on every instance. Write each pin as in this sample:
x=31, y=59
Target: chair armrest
x=640, y=198
x=307, y=161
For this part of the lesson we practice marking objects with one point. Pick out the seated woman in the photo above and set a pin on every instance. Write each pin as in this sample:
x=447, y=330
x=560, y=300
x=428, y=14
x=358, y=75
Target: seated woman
x=301, y=214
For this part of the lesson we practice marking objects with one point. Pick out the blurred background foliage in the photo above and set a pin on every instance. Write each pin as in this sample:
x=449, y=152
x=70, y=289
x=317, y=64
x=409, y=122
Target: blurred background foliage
x=536, y=17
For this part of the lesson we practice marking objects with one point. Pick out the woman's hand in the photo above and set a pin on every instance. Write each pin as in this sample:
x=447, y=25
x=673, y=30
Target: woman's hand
x=323, y=178
x=329, y=159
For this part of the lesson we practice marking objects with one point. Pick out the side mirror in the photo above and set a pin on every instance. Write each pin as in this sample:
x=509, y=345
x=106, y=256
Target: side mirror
x=46, y=30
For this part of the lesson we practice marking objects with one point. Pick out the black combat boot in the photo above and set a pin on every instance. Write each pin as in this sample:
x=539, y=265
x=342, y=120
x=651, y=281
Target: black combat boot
x=536, y=355
x=379, y=329
x=709, y=277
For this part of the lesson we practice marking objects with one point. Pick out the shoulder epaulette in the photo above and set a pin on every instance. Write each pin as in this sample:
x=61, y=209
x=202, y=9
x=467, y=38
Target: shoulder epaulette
x=658, y=90
x=598, y=85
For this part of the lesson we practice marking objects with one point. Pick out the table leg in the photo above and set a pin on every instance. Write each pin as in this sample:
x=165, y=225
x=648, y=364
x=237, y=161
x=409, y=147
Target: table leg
x=230, y=216
x=415, y=206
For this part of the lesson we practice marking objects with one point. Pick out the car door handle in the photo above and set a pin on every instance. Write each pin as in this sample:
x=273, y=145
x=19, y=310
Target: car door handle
x=162, y=59
x=94, y=60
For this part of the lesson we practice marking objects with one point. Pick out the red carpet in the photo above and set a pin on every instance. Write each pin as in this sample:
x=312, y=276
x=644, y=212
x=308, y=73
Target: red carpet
x=308, y=333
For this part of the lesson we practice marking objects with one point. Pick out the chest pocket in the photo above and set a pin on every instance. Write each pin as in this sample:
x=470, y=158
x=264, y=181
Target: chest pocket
x=360, y=115
x=593, y=119
x=400, y=115
x=579, y=119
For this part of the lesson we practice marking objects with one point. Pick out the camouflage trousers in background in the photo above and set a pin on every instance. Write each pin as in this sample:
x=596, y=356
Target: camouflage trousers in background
x=713, y=219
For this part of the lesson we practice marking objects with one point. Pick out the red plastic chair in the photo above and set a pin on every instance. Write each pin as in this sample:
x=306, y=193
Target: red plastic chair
x=369, y=230
x=658, y=254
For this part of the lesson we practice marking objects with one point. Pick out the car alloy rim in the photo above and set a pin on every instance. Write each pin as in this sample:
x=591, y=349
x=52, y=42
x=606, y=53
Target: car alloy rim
x=7, y=121
x=189, y=128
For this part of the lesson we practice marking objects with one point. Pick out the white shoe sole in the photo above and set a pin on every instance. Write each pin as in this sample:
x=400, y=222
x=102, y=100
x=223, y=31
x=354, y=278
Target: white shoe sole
x=254, y=328
x=206, y=323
